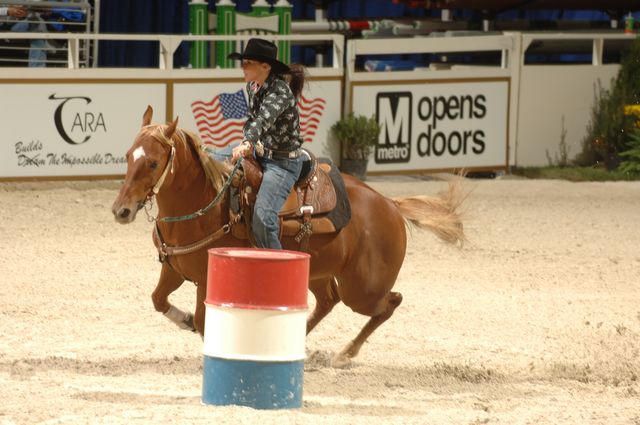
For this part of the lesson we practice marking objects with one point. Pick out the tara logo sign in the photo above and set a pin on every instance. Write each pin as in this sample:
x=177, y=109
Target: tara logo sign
x=74, y=122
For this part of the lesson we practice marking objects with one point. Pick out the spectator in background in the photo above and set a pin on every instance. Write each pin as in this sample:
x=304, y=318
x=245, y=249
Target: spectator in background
x=26, y=22
x=66, y=18
x=14, y=11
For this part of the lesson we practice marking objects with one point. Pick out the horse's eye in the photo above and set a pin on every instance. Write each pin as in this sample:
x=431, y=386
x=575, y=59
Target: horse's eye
x=154, y=165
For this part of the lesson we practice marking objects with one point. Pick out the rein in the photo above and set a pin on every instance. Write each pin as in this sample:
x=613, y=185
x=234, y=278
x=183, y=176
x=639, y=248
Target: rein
x=165, y=251
x=201, y=211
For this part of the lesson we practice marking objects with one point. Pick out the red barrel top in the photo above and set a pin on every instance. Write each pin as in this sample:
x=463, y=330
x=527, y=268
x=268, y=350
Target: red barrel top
x=257, y=278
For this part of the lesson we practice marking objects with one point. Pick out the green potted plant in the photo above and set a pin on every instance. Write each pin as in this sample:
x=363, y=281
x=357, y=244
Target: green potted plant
x=631, y=165
x=358, y=136
x=611, y=126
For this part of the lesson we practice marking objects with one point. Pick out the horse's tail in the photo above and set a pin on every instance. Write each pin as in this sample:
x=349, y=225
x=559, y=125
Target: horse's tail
x=439, y=214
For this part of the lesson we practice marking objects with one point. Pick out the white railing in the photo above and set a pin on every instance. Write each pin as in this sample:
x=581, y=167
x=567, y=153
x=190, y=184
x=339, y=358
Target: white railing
x=597, y=41
x=168, y=44
x=394, y=46
x=540, y=98
x=39, y=19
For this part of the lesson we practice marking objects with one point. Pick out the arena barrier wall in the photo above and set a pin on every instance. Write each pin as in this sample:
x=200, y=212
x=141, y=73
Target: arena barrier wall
x=555, y=101
x=436, y=118
x=480, y=117
x=76, y=122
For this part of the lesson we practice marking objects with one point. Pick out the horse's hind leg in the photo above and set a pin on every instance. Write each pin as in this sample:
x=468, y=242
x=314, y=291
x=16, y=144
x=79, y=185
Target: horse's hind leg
x=326, y=293
x=198, y=319
x=169, y=281
x=379, y=314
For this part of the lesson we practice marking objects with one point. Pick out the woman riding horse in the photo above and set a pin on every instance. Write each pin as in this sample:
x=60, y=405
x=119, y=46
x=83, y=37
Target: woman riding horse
x=272, y=133
x=357, y=265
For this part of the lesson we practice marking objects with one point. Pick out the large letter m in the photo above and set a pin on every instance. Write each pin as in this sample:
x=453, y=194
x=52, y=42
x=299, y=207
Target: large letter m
x=394, y=115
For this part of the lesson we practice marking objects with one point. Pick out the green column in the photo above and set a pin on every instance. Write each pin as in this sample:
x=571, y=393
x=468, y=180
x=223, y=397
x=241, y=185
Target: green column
x=260, y=8
x=198, y=20
x=225, y=25
x=283, y=10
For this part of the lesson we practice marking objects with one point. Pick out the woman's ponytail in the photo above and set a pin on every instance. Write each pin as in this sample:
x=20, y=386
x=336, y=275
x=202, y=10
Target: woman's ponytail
x=296, y=78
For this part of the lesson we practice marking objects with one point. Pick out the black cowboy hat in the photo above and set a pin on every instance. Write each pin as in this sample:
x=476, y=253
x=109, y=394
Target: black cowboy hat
x=262, y=51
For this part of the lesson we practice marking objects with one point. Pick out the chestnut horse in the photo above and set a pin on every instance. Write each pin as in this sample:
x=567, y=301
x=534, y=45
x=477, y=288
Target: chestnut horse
x=358, y=265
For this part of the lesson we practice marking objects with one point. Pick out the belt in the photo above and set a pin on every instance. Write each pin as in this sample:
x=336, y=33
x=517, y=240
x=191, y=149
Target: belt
x=273, y=154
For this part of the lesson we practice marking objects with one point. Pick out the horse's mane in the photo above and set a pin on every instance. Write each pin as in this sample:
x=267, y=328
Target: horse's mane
x=216, y=171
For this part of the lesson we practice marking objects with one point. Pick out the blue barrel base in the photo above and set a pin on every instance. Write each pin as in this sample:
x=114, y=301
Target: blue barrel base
x=257, y=384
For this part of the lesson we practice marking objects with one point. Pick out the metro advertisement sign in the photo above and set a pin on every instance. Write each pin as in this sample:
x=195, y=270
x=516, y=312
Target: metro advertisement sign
x=437, y=125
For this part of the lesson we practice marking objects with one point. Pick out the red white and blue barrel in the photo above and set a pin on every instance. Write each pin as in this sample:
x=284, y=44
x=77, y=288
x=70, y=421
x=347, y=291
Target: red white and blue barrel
x=255, y=328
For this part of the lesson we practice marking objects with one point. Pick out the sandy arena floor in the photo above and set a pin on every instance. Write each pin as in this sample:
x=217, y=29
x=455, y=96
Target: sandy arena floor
x=535, y=321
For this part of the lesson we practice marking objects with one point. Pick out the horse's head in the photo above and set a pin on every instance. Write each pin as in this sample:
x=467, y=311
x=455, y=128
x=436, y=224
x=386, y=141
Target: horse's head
x=149, y=161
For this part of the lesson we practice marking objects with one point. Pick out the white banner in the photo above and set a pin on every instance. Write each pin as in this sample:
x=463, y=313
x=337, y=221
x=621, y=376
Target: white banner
x=217, y=112
x=55, y=129
x=437, y=125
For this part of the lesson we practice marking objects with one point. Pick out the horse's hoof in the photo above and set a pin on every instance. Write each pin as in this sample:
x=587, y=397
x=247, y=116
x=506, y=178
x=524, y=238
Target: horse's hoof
x=340, y=361
x=189, y=323
x=318, y=359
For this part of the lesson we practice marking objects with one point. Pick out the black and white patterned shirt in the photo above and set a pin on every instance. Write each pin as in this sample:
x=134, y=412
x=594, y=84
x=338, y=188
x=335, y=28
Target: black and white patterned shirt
x=273, y=116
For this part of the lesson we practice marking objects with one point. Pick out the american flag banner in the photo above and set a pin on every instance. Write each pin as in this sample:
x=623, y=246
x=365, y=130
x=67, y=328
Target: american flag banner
x=311, y=111
x=220, y=121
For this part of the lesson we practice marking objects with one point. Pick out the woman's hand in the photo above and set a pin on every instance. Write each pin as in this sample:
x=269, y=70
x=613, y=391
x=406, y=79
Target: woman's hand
x=17, y=11
x=242, y=150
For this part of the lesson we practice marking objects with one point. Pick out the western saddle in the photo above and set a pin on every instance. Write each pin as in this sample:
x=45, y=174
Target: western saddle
x=305, y=210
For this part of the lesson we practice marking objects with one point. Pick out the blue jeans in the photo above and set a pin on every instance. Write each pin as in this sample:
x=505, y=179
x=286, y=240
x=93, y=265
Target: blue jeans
x=279, y=177
x=37, y=48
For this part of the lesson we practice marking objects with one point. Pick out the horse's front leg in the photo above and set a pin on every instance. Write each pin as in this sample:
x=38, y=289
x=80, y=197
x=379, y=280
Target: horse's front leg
x=169, y=281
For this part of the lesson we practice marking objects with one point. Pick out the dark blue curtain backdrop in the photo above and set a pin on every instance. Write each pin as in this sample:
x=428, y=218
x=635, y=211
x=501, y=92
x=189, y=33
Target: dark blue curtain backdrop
x=342, y=9
x=172, y=17
x=140, y=17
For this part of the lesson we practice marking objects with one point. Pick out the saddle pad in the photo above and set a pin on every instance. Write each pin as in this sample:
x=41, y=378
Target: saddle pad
x=341, y=214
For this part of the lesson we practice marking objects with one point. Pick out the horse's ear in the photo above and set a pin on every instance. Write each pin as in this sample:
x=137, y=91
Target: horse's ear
x=171, y=128
x=146, y=118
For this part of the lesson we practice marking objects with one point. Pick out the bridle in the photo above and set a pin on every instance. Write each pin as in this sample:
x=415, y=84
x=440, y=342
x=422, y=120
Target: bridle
x=148, y=203
x=164, y=250
x=148, y=200
x=169, y=166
